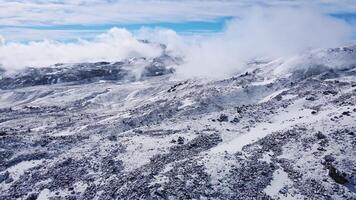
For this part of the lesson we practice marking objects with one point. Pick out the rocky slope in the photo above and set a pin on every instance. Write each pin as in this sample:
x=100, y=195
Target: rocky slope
x=131, y=130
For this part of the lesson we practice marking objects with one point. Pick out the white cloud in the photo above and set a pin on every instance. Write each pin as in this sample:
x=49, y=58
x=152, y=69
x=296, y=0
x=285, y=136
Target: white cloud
x=264, y=33
x=176, y=44
x=2, y=40
x=28, y=34
x=115, y=45
x=42, y=12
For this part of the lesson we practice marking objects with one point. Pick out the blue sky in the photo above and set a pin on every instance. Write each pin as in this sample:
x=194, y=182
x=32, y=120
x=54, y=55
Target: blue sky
x=67, y=20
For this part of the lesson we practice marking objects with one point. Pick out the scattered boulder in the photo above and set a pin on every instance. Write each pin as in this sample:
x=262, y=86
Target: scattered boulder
x=235, y=120
x=4, y=176
x=321, y=149
x=9, y=180
x=2, y=133
x=320, y=136
x=346, y=113
x=32, y=196
x=223, y=118
x=329, y=158
x=336, y=175
x=112, y=138
x=279, y=97
x=138, y=131
x=311, y=98
x=180, y=140
x=330, y=92
x=239, y=110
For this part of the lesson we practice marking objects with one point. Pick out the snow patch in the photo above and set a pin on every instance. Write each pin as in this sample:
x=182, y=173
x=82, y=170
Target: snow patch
x=280, y=180
x=271, y=96
x=17, y=170
x=186, y=102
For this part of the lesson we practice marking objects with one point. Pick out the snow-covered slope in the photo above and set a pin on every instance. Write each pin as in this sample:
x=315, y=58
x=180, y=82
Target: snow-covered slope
x=282, y=130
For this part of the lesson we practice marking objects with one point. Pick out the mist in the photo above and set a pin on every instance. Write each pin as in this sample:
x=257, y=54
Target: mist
x=264, y=34
x=261, y=33
x=116, y=44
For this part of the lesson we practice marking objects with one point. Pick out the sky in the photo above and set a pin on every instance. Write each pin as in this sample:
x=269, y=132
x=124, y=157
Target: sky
x=67, y=20
x=215, y=37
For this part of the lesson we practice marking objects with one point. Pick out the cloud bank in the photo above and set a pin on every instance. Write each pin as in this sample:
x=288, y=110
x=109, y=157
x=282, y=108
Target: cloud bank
x=116, y=44
x=264, y=34
x=261, y=33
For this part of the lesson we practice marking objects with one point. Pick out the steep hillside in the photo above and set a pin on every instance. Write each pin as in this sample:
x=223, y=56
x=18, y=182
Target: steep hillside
x=131, y=130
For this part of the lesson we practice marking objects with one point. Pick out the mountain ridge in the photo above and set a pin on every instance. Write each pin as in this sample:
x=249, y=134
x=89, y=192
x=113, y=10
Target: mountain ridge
x=265, y=133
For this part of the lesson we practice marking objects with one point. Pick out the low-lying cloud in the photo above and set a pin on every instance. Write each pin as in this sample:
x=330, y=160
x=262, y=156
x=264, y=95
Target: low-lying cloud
x=116, y=44
x=263, y=33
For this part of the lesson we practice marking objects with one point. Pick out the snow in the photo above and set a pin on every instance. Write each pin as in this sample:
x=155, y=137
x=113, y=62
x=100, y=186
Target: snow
x=264, y=82
x=271, y=96
x=44, y=194
x=161, y=178
x=279, y=122
x=80, y=186
x=280, y=179
x=295, y=114
x=186, y=102
x=267, y=156
x=289, y=96
x=17, y=170
x=110, y=102
x=64, y=133
x=141, y=148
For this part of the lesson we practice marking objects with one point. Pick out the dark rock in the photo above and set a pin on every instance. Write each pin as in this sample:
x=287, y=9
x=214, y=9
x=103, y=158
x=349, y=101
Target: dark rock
x=279, y=97
x=239, y=110
x=156, y=69
x=310, y=98
x=330, y=92
x=346, y=113
x=284, y=190
x=112, y=138
x=4, y=176
x=336, y=175
x=9, y=180
x=329, y=158
x=3, y=133
x=235, y=120
x=321, y=149
x=314, y=112
x=320, y=136
x=223, y=118
x=180, y=140
x=32, y=196
x=138, y=131
x=111, y=166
